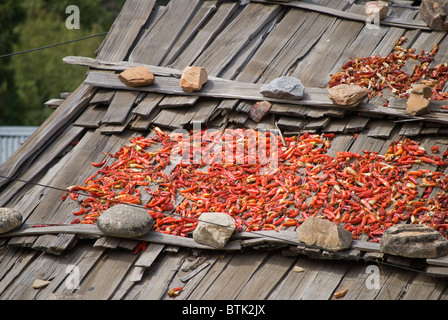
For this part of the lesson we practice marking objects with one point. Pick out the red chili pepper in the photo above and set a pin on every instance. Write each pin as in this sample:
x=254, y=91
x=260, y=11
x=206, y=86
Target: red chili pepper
x=99, y=164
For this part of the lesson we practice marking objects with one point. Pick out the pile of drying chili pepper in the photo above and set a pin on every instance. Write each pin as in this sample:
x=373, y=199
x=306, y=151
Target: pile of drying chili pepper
x=366, y=193
x=377, y=73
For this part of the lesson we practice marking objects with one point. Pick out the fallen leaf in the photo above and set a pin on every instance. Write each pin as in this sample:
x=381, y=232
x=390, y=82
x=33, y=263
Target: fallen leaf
x=340, y=294
x=298, y=269
x=38, y=283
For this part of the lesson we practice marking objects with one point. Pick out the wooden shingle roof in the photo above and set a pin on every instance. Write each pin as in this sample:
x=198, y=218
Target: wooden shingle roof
x=242, y=45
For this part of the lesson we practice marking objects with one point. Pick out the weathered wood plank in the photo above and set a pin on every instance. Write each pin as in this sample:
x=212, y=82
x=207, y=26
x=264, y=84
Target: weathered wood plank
x=125, y=29
x=120, y=106
x=155, y=45
x=314, y=71
x=107, y=242
x=103, y=96
x=92, y=230
x=204, y=37
x=441, y=261
x=356, y=123
x=388, y=21
x=381, y=128
x=116, y=265
x=395, y=284
x=200, y=16
x=312, y=27
x=266, y=277
x=235, y=276
x=14, y=261
x=424, y=287
x=213, y=88
x=147, y=257
x=154, y=284
x=91, y=118
x=360, y=283
x=235, y=37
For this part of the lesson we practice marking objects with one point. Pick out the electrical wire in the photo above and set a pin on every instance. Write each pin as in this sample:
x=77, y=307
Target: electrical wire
x=52, y=45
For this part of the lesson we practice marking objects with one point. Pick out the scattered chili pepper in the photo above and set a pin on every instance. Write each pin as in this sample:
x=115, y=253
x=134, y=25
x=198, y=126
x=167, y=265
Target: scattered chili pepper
x=365, y=192
x=377, y=73
x=175, y=292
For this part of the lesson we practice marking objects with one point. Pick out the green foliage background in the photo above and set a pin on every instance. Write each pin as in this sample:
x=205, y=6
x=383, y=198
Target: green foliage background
x=28, y=80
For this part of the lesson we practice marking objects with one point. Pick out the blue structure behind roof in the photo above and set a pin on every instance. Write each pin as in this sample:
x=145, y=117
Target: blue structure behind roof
x=11, y=137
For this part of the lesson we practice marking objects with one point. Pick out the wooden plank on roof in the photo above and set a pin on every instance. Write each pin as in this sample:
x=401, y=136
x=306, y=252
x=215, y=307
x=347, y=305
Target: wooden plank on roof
x=173, y=118
x=266, y=277
x=366, y=142
x=369, y=40
x=316, y=97
x=395, y=285
x=103, y=96
x=148, y=104
x=235, y=36
x=54, y=244
x=206, y=35
x=388, y=21
x=381, y=128
x=441, y=261
x=118, y=128
x=178, y=101
x=153, y=46
x=12, y=265
x=125, y=29
x=356, y=123
x=424, y=287
x=92, y=117
x=325, y=282
x=336, y=125
x=316, y=113
x=204, y=110
x=295, y=283
x=358, y=283
x=140, y=123
x=410, y=129
x=432, y=131
x=233, y=69
x=195, y=26
x=288, y=110
x=314, y=71
x=317, y=124
x=92, y=230
x=107, y=242
x=115, y=265
x=147, y=258
x=278, y=38
x=154, y=285
x=312, y=26
x=120, y=106
x=291, y=123
x=234, y=277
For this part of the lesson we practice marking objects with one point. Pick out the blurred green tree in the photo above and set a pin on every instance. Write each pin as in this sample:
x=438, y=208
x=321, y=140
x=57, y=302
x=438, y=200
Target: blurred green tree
x=38, y=76
x=11, y=14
